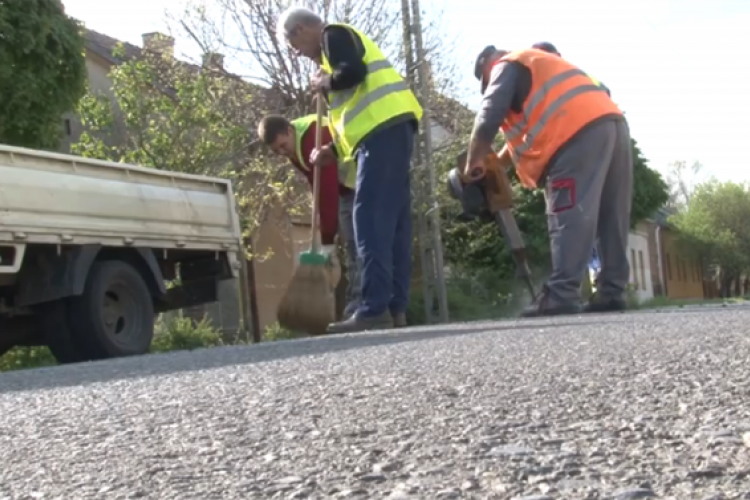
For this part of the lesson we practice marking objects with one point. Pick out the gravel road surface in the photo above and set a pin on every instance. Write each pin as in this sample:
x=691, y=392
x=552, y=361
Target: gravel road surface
x=599, y=407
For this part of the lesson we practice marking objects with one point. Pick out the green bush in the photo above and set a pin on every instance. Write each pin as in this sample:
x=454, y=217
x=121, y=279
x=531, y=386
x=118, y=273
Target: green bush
x=171, y=333
x=180, y=333
x=276, y=332
x=469, y=299
x=20, y=358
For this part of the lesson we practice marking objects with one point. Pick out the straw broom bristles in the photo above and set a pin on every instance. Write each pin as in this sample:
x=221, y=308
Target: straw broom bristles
x=309, y=302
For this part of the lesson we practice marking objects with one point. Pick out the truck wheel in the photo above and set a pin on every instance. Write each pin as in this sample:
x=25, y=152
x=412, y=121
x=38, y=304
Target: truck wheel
x=58, y=335
x=114, y=316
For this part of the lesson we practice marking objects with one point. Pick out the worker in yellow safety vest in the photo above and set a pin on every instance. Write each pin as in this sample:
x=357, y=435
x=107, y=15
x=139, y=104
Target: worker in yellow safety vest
x=374, y=117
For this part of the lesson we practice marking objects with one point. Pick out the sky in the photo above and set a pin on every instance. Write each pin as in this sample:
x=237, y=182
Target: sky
x=678, y=69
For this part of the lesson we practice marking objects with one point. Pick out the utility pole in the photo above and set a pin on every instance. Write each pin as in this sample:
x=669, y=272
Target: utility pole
x=428, y=211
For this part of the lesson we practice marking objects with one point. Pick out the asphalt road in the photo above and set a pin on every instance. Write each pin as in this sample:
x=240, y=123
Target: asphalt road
x=608, y=407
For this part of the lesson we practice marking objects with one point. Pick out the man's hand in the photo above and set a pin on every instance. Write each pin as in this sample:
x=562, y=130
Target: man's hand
x=323, y=156
x=474, y=170
x=478, y=151
x=320, y=82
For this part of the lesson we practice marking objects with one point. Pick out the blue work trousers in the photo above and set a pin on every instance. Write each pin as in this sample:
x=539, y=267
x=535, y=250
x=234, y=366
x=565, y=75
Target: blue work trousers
x=382, y=219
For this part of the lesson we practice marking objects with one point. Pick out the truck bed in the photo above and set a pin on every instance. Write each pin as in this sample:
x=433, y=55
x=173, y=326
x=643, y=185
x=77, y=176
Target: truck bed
x=63, y=199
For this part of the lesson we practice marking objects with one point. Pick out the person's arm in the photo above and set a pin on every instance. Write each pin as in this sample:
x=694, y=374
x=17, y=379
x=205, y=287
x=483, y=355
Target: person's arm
x=328, y=202
x=345, y=53
x=496, y=104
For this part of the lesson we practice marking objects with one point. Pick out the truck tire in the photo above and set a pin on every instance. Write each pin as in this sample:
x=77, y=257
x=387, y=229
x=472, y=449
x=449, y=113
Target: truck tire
x=114, y=317
x=58, y=336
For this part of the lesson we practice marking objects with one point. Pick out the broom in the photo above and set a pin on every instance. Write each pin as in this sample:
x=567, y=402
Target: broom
x=309, y=303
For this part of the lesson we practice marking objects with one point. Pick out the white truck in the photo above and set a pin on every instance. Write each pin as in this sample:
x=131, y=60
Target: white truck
x=87, y=248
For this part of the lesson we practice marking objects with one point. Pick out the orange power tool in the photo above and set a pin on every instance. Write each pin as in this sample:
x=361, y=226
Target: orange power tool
x=491, y=198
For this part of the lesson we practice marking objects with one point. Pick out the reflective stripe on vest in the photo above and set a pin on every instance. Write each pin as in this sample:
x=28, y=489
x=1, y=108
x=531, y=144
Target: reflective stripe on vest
x=536, y=100
x=561, y=101
x=347, y=171
x=354, y=113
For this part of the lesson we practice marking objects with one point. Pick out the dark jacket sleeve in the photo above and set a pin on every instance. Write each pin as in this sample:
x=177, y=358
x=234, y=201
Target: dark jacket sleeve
x=497, y=101
x=345, y=53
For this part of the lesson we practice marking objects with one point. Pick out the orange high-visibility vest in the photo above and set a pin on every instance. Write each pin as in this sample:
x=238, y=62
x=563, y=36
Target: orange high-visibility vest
x=562, y=100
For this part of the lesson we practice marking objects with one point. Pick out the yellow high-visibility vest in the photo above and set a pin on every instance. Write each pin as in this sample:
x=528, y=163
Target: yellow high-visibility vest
x=355, y=112
x=347, y=170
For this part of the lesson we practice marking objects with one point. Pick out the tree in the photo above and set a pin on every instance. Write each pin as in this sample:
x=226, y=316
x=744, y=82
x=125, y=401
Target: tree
x=682, y=180
x=174, y=116
x=245, y=32
x=714, y=226
x=650, y=191
x=42, y=71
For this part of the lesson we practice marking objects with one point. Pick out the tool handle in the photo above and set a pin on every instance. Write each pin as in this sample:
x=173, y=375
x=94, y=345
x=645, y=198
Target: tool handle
x=315, y=237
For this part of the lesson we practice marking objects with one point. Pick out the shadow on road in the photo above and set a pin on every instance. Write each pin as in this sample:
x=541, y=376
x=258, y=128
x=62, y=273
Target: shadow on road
x=207, y=359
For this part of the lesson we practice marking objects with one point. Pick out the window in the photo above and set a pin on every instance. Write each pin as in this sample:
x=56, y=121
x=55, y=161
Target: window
x=68, y=129
x=669, y=268
x=633, y=268
x=643, y=269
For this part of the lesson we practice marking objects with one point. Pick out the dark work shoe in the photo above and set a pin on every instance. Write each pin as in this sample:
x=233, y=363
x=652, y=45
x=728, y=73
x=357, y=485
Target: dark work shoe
x=542, y=306
x=358, y=323
x=399, y=320
x=599, y=304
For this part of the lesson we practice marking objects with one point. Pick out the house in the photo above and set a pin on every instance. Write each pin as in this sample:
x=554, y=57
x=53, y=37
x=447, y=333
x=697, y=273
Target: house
x=279, y=238
x=675, y=272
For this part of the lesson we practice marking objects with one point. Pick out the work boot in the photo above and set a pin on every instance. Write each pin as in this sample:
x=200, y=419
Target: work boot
x=399, y=320
x=543, y=306
x=599, y=304
x=359, y=323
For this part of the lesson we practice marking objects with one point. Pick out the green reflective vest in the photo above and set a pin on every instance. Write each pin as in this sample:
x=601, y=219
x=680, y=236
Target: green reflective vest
x=355, y=112
x=347, y=170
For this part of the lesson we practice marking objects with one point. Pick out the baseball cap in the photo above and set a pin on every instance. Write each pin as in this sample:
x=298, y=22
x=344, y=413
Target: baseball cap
x=545, y=46
x=482, y=58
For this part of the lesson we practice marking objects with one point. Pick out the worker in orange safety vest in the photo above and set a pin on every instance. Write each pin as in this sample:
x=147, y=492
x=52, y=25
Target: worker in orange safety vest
x=564, y=133
x=594, y=262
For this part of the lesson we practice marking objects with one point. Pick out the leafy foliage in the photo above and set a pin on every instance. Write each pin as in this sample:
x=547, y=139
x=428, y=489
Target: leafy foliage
x=650, y=191
x=42, y=71
x=178, y=117
x=179, y=333
x=714, y=224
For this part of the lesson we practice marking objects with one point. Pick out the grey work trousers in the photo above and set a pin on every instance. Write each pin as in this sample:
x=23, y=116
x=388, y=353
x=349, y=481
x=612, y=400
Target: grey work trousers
x=589, y=191
x=346, y=232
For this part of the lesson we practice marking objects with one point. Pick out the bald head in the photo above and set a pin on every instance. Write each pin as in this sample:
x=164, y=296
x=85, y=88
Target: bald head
x=302, y=29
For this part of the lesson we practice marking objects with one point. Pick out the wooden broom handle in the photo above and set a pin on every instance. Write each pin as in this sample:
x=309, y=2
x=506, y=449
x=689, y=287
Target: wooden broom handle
x=316, y=176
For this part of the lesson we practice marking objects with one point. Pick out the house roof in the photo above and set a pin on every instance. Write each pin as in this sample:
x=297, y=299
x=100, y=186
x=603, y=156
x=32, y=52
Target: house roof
x=104, y=46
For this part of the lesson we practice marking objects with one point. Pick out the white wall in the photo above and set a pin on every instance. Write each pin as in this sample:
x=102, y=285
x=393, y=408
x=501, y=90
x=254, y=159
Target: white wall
x=640, y=268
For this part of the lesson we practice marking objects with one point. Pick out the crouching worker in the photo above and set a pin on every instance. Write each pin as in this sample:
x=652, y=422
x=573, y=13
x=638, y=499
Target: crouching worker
x=295, y=140
x=565, y=134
